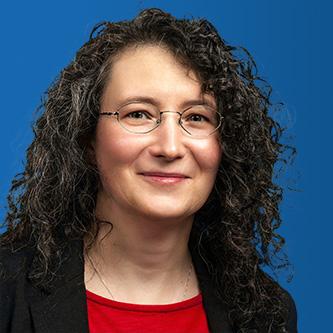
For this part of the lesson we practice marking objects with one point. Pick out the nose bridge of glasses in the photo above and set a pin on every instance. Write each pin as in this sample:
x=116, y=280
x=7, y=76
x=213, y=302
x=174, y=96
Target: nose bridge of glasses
x=161, y=114
x=171, y=122
x=170, y=131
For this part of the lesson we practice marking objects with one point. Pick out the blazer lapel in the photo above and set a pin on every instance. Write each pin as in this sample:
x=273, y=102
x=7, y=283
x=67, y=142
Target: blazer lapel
x=215, y=308
x=62, y=307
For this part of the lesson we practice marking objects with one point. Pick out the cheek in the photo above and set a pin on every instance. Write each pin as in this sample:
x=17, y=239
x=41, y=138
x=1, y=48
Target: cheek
x=114, y=149
x=208, y=155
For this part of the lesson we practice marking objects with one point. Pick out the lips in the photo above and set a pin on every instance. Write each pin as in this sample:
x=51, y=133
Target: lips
x=164, y=178
x=164, y=174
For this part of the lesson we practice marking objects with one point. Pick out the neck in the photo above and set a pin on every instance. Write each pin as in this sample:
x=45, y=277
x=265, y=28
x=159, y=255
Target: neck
x=140, y=258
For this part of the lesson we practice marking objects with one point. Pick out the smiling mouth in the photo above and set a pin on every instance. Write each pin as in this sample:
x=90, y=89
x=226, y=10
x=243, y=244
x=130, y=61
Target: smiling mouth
x=164, y=179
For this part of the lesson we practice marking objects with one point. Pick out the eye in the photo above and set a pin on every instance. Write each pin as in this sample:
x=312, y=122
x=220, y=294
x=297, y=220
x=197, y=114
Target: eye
x=197, y=118
x=199, y=115
x=137, y=112
x=138, y=115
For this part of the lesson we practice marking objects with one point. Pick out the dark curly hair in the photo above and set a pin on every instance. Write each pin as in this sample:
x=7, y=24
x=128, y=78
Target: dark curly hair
x=52, y=202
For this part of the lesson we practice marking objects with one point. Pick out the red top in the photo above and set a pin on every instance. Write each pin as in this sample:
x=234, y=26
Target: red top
x=108, y=316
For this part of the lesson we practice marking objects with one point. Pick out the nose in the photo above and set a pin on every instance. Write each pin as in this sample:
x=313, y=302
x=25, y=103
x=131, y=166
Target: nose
x=168, y=137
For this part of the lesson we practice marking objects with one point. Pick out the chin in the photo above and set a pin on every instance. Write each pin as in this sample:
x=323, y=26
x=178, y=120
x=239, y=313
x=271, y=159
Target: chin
x=167, y=213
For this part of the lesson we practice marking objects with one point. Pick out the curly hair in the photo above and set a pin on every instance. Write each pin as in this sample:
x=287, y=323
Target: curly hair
x=52, y=202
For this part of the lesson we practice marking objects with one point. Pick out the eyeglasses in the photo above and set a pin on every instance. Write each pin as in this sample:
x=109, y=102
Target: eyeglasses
x=199, y=121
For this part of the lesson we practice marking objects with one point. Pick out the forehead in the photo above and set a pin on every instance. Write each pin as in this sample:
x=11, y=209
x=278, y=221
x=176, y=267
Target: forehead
x=155, y=72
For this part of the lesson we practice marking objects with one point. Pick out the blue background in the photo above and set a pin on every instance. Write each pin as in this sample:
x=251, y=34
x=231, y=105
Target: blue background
x=292, y=44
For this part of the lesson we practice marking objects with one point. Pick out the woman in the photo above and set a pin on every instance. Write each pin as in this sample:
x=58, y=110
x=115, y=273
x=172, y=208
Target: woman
x=147, y=202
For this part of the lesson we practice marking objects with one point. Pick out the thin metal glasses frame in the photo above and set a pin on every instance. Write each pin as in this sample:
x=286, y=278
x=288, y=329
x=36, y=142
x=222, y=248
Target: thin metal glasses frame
x=159, y=121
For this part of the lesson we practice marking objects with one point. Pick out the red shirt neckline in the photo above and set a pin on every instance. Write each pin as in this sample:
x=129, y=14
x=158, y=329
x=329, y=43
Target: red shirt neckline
x=188, y=303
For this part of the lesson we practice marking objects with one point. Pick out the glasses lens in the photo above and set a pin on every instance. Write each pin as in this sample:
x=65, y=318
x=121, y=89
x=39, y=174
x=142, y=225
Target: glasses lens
x=138, y=117
x=198, y=120
x=201, y=120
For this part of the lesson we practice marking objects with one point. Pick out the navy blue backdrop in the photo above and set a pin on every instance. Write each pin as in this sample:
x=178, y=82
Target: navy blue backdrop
x=292, y=44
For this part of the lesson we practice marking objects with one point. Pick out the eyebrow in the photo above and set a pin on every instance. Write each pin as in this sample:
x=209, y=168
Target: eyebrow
x=154, y=101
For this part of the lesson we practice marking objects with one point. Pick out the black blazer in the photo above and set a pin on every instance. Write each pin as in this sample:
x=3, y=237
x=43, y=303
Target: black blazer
x=62, y=308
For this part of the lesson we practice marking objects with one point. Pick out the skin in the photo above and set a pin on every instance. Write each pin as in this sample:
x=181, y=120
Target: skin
x=145, y=259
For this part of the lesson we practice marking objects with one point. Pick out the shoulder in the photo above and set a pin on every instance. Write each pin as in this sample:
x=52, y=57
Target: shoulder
x=15, y=262
x=14, y=266
x=288, y=303
x=291, y=311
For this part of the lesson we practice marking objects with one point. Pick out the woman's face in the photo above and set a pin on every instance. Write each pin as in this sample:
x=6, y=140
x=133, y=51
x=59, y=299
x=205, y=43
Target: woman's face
x=126, y=160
